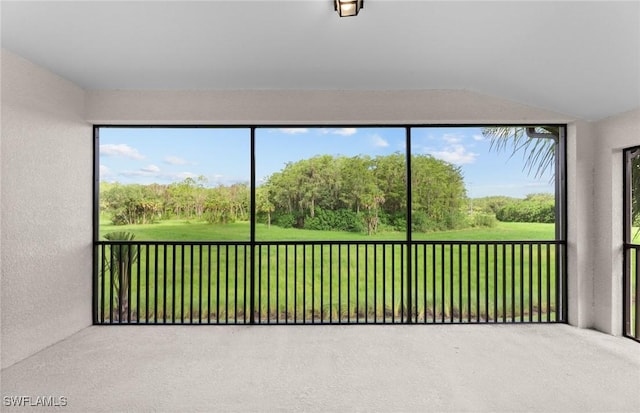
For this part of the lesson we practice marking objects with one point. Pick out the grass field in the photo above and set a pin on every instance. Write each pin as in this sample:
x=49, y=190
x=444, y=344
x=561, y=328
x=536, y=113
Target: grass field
x=180, y=230
x=336, y=282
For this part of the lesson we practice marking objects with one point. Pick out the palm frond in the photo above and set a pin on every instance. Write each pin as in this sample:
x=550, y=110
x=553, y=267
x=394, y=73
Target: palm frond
x=538, y=153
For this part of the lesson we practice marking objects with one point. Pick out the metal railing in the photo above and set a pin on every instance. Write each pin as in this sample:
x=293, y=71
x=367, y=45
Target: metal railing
x=320, y=282
x=631, y=292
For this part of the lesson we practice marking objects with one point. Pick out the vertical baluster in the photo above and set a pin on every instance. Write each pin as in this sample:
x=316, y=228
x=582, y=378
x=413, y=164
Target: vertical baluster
x=504, y=283
x=313, y=284
x=366, y=283
x=530, y=247
x=460, y=306
x=339, y=283
x=487, y=314
x=165, y=276
x=321, y=283
x=349, y=283
x=226, y=286
x=200, y=264
x=539, y=265
x=260, y=282
x=478, y=303
x=173, y=285
x=182, y=283
x=393, y=283
x=268, y=283
x=130, y=301
x=103, y=272
x=304, y=284
x=155, y=284
x=112, y=270
x=495, y=283
x=277, y=283
x=218, y=247
x=191, y=265
x=451, y=283
x=286, y=283
x=235, y=286
x=415, y=276
x=146, y=287
x=209, y=284
x=435, y=280
x=245, y=301
x=513, y=283
x=522, y=275
x=425, y=273
x=443, y=295
x=468, y=246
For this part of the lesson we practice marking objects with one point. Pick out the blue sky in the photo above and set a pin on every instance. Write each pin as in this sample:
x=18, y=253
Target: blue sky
x=165, y=155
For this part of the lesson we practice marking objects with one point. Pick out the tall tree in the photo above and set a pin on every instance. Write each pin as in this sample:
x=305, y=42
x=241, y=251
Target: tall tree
x=263, y=202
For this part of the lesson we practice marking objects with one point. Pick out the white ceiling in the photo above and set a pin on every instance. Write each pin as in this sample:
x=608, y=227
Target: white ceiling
x=577, y=58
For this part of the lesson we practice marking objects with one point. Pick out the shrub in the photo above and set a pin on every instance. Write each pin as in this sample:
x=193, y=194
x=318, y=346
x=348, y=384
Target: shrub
x=528, y=210
x=483, y=220
x=420, y=222
x=284, y=220
x=399, y=223
x=338, y=220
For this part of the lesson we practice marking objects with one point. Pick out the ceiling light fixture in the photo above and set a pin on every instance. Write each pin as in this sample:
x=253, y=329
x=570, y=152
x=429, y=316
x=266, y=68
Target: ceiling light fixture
x=346, y=8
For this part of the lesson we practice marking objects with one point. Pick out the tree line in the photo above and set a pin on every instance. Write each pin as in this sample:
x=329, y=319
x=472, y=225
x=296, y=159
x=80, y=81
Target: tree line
x=188, y=199
x=540, y=208
x=325, y=192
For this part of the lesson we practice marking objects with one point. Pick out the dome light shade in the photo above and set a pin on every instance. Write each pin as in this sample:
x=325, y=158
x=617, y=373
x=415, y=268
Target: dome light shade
x=346, y=8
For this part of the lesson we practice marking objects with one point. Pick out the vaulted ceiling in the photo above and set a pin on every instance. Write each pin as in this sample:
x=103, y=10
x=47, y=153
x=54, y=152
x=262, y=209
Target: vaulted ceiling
x=577, y=58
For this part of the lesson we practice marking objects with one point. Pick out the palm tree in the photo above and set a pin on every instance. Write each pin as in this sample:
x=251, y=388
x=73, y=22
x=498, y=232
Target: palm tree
x=121, y=257
x=538, y=145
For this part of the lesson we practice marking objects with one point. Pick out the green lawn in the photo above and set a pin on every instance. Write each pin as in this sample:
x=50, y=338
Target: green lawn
x=180, y=230
x=339, y=282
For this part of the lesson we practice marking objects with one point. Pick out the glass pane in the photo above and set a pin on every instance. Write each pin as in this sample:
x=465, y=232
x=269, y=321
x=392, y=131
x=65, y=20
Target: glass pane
x=330, y=183
x=634, y=165
x=182, y=184
x=473, y=183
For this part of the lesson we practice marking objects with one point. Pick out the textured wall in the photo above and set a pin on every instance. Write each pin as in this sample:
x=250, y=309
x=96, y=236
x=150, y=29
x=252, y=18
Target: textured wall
x=580, y=231
x=612, y=136
x=312, y=107
x=46, y=191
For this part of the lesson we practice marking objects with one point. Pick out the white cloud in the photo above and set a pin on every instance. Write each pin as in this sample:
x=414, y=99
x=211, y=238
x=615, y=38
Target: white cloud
x=452, y=138
x=105, y=171
x=341, y=131
x=139, y=172
x=478, y=138
x=120, y=150
x=293, y=131
x=456, y=154
x=174, y=160
x=379, y=142
x=150, y=172
x=345, y=131
x=150, y=168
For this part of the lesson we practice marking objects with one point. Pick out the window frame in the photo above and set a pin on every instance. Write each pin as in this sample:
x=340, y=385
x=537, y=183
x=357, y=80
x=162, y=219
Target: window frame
x=560, y=186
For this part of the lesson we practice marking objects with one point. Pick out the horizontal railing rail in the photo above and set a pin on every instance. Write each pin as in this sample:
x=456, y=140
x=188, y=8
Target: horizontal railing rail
x=329, y=282
x=631, y=291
